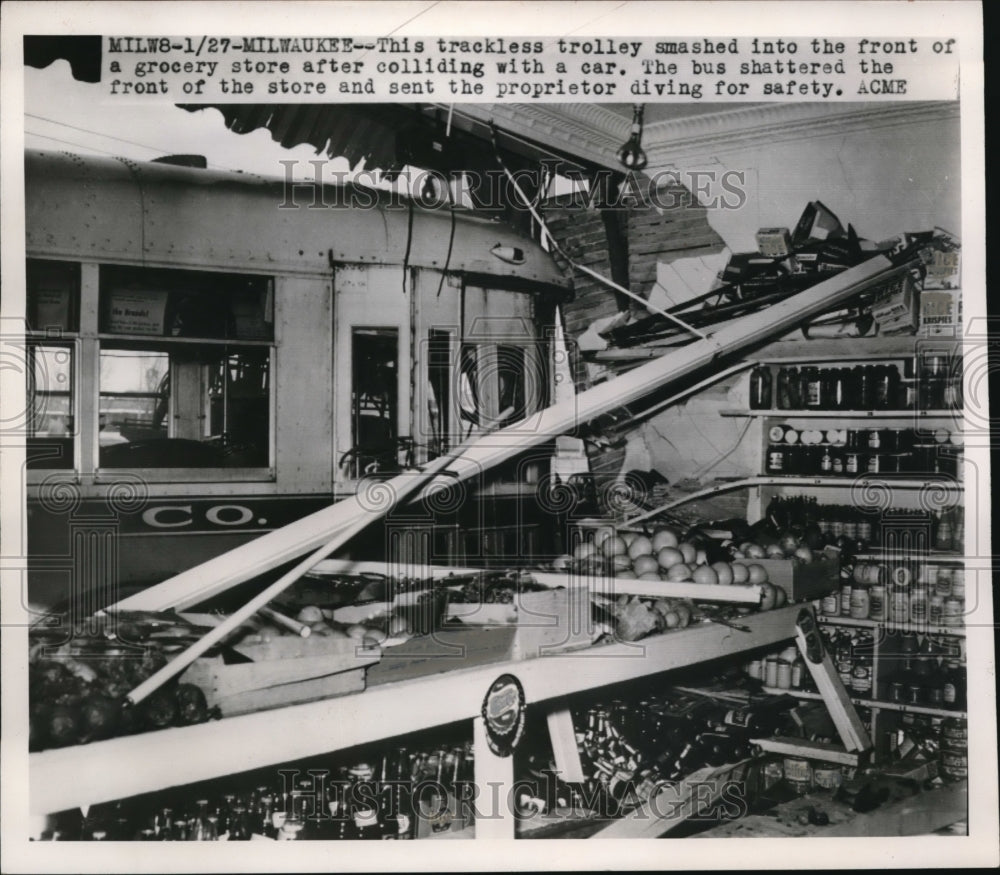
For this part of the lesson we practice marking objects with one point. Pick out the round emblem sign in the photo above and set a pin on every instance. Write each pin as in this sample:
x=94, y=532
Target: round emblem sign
x=503, y=714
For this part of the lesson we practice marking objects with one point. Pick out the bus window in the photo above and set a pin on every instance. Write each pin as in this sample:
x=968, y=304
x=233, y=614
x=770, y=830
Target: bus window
x=53, y=313
x=499, y=384
x=50, y=395
x=188, y=407
x=185, y=360
x=374, y=401
x=439, y=391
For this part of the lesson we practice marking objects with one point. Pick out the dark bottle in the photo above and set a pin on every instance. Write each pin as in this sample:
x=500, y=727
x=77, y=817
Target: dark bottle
x=863, y=393
x=165, y=830
x=789, y=395
x=440, y=814
x=239, y=824
x=812, y=388
x=760, y=388
x=954, y=688
x=403, y=804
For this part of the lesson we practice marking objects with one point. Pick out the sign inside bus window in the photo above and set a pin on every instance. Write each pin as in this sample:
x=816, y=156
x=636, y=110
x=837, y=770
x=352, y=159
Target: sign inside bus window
x=137, y=311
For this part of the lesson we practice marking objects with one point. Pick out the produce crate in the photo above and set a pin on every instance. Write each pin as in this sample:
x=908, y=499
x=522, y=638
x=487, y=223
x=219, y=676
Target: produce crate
x=801, y=581
x=284, y=671
x=535, y=624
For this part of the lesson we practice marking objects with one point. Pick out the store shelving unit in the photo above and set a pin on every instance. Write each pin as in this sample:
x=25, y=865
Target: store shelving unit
x=78, y=776
x=903, y=489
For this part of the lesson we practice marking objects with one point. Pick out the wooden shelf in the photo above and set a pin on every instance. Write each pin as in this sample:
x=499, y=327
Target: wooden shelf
x=932, y=556
x=871, y=703
x=955, y=631
x=849, y=348
x=841, y=415
x=858, y=482
x=119, y=768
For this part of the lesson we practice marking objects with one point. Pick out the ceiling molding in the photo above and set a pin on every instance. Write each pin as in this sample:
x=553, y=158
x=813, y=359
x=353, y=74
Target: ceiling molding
x=587, y=130
x=594, y=133
x=747, y=127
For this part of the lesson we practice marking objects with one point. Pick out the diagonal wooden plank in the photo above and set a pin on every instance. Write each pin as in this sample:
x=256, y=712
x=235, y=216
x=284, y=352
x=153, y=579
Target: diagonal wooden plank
x=288, y=543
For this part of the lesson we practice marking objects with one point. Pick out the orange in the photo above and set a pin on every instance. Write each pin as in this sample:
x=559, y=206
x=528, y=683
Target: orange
x=688, y=551
x=757, y=573
x=740, y=573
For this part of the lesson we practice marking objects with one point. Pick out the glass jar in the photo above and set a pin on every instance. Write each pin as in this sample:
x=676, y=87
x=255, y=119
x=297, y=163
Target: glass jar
x=876, y=602
x=899, y=604
x=918, y=604
x=860, y=602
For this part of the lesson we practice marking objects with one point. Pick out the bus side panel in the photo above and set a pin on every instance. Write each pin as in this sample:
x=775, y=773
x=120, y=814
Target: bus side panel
x=304, y=442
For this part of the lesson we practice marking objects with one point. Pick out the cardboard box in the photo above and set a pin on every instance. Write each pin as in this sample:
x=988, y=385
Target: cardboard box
x=801, y=581
x=899, y=309
x=285, y=671
x=941, y=312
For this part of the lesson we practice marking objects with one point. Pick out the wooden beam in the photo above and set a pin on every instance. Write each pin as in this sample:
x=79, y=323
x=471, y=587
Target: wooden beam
x=838, y=702
x=283, y=545
x=564, y=748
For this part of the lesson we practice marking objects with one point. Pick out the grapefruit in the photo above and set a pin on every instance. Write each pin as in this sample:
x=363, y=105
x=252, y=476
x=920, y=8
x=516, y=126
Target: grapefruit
x=602, y=536
x=646, y=565
x=706, y=575
x=769, y=596
x=725, y=572
x=641, y=546
x=804, y=553
x=679, y=572
x=614, y=546
x=620, y=562
x=664, y=538
x=669, y=557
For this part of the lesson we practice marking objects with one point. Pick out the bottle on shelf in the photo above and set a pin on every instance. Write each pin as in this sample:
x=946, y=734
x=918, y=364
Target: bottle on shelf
x=760, y=388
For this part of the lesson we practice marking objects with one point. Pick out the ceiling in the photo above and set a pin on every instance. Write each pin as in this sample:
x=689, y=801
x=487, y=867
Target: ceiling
x=666, y=112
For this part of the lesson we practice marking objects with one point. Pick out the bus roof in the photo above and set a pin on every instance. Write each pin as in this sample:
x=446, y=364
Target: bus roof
x=121, y=211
